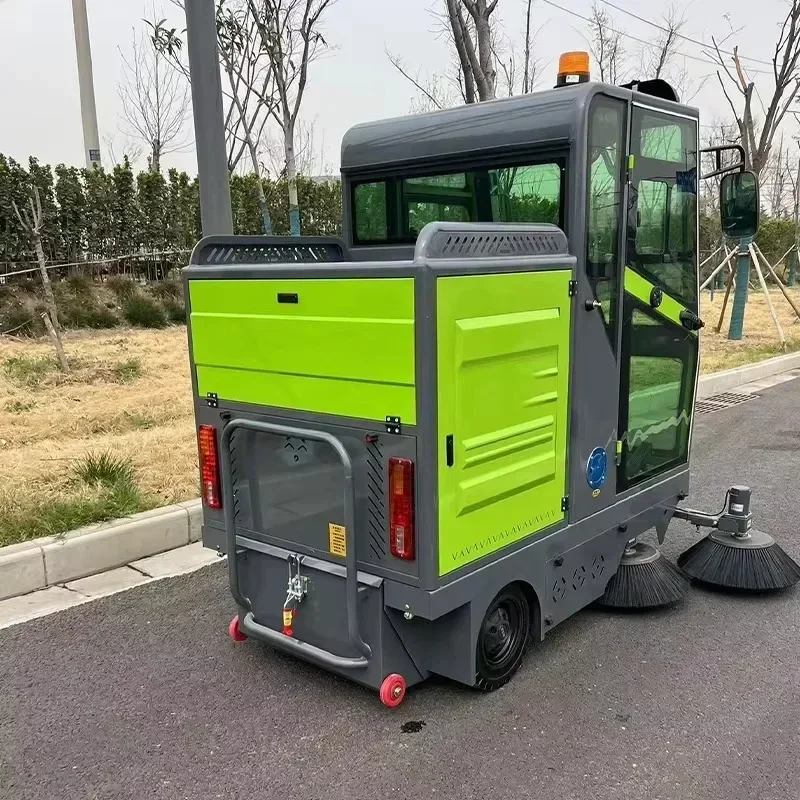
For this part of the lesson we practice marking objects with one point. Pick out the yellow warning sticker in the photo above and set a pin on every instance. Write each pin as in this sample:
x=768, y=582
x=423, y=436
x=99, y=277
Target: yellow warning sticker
x=336, y=539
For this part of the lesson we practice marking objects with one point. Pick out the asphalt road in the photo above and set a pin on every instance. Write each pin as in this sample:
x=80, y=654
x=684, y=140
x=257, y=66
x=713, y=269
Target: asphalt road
x=143, y=695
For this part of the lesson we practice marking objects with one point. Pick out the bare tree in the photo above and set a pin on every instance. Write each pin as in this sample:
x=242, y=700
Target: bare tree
x=486, y=61
x=517, y=73
x=757, y=134
x=249, y=87
x=793, y=171
x=31, y=221
x=606, y=45
x=473, y=38
x=290, y=35
x=155, y=98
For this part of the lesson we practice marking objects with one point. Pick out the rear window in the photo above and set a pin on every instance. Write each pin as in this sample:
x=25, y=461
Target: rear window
x=397, y=209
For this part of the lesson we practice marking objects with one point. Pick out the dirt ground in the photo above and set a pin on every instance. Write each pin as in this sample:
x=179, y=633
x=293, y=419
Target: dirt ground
x=129, y=394
x=760, y=341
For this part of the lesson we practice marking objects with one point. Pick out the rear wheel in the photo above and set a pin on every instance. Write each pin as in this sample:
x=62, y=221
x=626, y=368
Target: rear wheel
x=234, y=632
x=502, y=638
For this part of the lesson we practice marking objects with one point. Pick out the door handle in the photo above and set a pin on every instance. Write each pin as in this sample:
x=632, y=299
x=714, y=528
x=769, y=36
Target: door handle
x=449, y=450
x=591, y=305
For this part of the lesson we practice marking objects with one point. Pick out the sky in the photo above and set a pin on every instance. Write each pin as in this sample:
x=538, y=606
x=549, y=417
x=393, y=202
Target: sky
x=353, y=82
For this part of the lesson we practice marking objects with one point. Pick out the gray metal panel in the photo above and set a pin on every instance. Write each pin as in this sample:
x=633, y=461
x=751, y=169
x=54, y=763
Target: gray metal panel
x=537, y=118
x=481, y=240
x=594, y=367
x=218, y=250
x=289, y=503
x=319, y=621
x=540, y=117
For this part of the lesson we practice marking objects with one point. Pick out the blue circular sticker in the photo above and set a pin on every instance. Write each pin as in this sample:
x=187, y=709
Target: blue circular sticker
x=597, y=468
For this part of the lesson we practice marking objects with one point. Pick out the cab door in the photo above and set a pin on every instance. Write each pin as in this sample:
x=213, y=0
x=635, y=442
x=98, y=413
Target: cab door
x=659, y=341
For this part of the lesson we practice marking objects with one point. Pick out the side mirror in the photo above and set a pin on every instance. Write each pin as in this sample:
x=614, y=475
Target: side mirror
x=739, y=204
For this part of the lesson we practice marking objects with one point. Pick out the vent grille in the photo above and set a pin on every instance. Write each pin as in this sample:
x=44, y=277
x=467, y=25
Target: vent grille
x=718, y=402
x=488, y=245
x=269, y=250
x=377, y=521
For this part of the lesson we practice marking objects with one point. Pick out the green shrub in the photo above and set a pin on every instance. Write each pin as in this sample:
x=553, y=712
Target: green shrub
x=19, y=319
x=176, y=311
x=128, y=371
x=29, y=370
x=144, y=312
x=103, y=469
x=78, y=306
x=80, y=285
x=122, y=287
x=167, y=290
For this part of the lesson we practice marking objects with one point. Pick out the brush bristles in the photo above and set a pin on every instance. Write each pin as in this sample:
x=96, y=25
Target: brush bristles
x=755, y=569
x=651, y=585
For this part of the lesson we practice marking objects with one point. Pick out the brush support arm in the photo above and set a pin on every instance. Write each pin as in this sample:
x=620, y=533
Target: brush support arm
x=735, y=518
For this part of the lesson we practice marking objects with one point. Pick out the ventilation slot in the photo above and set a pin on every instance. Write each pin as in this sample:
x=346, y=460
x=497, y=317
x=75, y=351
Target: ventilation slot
x=377, y=522
x=270, y=252
x=451, y=245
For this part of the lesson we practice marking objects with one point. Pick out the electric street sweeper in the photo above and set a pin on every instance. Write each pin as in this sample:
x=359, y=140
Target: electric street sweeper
x=424, y=445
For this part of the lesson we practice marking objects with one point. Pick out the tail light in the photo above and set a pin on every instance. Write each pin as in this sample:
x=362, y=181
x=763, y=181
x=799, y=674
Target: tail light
x=209, y=466
x=401, y=508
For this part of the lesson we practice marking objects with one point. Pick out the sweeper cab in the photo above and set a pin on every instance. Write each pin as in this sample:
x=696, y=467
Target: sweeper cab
x=443, y=435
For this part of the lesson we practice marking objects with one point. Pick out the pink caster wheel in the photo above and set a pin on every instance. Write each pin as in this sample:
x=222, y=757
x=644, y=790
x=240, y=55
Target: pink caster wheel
x=393, y=690
x=234, y=632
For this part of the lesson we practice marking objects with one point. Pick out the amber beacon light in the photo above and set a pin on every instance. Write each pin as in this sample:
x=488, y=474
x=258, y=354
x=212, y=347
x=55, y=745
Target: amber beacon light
x=573, y=67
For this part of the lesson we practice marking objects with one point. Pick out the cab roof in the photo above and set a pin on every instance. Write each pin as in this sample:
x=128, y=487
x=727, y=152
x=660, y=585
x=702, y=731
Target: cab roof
x=553, y=116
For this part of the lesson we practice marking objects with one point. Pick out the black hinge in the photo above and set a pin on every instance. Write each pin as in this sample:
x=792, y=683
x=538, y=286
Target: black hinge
x=573, y=288
x=565, y=503
x=448, y=444
x=212, y=400
x=393, y=425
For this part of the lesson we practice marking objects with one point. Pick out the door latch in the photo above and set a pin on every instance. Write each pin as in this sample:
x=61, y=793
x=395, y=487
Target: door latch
x=295, y=592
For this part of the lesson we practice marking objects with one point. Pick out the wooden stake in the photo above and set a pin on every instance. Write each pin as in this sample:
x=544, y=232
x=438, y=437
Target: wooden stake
x=780, y=283
x=716, y=270
x=728, y=287
x=766, y=295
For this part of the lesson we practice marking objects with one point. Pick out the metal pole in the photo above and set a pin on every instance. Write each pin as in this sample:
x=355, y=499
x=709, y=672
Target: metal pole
x=209, y=122
x=91, y=138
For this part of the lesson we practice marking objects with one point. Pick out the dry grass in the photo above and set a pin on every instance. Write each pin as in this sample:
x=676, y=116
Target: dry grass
x=760, y=336
x=129, y=394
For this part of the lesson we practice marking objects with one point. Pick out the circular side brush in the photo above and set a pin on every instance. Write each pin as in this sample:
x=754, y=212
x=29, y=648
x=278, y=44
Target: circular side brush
x=752, y=562
x=644, y=579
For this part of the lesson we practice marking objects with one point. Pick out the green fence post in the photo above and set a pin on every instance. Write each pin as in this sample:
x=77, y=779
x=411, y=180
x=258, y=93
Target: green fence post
x=736, y=330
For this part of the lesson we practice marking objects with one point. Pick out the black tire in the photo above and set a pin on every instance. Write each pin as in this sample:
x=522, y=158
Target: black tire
x=502, y=638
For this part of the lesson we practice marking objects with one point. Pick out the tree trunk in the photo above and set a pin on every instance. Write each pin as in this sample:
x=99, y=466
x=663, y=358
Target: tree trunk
x=49, y=297
x=291, y=176
x=262, y=198
x=155, y=159
x=56, y=339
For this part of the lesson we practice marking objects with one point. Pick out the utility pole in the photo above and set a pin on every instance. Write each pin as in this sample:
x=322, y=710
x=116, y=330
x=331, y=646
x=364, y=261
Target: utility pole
x=209, y=121
x=91, y=138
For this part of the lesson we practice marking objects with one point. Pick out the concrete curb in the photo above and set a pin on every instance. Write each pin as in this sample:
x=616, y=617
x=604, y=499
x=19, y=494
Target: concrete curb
x=731, y=378
x=53, y=560
x=56, y=560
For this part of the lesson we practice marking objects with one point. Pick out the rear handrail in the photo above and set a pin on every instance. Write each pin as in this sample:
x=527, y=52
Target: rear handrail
x=351, y=577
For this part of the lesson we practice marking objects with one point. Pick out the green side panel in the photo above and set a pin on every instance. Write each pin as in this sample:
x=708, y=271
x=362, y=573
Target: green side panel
x=640, y=288
x=503, y=380
x=346, y=346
